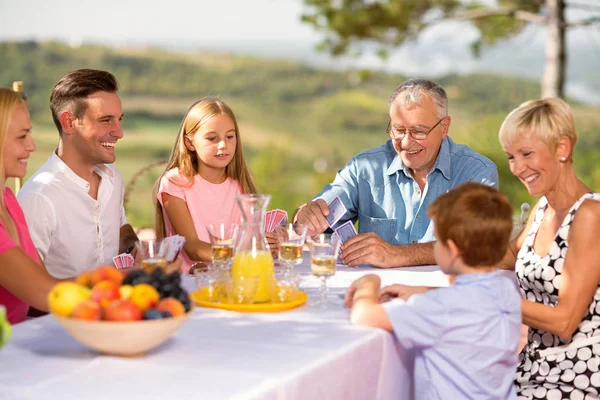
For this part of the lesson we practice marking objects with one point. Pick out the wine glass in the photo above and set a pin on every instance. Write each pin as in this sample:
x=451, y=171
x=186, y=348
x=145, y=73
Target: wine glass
x=291, y=239
x=153, y=253
x=222, y=239
x=323, y=253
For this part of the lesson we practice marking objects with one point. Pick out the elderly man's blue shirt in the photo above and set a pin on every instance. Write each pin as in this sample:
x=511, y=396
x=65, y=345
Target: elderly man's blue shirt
x=379, y=191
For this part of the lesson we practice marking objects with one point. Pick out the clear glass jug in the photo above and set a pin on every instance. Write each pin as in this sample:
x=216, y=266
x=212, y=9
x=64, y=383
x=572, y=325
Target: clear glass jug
x=252, y=254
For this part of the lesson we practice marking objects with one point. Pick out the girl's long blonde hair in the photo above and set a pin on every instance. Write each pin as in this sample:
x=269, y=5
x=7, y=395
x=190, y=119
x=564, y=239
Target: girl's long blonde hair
x=9, y=100
x=186, y=161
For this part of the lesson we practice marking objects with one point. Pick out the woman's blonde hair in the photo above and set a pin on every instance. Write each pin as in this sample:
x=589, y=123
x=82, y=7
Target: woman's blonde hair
x=186, y=160
x=9, y=100
x=548, y=119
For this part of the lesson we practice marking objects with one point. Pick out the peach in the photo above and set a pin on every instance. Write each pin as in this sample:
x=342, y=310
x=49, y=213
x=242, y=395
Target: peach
x=104, y=292
x=88, y=310
x=125, y=291
x=171, y=305
x=106, y=273
x=122, y=310
x=145, y=296
x=85, y=279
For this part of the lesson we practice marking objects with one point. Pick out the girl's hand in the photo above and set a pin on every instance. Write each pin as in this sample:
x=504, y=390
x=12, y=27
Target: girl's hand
x=273, y=243
x=400, y=291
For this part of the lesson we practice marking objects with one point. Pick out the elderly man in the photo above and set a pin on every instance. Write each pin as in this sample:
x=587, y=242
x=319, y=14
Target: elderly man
x=388, y=188
x=74, y=203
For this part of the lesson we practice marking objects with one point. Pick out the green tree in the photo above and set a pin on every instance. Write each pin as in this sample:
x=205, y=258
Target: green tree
x=391, y=22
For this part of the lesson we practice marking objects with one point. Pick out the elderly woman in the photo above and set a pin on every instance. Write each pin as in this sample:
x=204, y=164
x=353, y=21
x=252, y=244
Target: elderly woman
x=556, y=257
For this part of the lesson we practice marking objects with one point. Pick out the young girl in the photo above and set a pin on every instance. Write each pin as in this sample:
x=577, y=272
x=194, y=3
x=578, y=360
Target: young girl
x=205, y=173
x=24, y=280
x=464, y=336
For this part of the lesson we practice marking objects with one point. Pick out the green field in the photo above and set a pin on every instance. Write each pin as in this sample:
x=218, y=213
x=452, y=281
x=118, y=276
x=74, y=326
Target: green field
x=292, y=117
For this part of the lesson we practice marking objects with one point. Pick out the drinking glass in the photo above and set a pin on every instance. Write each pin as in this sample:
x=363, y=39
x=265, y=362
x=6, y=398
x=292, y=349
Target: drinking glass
x=291, y=240
x=213, y=282
x=285, y=286
x=223, y=239
x=153, y=253
x=323, y=251
x=242, y=289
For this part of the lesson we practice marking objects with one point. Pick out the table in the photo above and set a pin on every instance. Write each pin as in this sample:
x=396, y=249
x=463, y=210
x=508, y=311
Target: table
x=306, y=353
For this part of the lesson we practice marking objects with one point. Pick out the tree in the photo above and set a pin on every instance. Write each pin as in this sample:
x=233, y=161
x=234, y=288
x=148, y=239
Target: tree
x=391, y=22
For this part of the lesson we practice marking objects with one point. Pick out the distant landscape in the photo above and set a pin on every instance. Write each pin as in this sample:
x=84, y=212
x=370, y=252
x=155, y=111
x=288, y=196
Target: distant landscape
x=299, y=124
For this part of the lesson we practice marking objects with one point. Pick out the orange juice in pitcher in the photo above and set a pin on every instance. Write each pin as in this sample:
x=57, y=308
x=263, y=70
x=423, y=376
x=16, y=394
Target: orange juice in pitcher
x=259, y=264
x=252, y=255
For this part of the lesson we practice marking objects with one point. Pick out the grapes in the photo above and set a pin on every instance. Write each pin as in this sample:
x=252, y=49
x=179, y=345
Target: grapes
x=167, y=285
x=153, y=313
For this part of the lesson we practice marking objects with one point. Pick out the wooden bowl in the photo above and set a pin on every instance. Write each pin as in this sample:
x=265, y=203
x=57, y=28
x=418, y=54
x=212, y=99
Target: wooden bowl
x=128, y=339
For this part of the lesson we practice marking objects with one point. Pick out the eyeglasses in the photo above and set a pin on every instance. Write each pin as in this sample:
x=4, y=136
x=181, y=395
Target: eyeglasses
x=417, y=134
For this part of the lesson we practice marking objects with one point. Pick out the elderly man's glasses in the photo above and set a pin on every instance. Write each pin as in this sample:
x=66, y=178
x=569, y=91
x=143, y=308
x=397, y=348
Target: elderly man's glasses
x=417, y=134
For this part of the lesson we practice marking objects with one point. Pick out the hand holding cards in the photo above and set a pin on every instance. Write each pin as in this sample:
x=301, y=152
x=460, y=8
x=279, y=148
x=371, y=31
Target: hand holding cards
x=336, y=211
x=345, y=232
x=275, y=218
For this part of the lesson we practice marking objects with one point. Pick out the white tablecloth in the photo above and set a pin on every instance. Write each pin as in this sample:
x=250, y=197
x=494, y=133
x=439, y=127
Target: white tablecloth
x=306, y=353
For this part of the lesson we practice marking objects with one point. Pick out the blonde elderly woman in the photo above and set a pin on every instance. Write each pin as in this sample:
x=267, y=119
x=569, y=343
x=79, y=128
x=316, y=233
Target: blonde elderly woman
x=556, y=257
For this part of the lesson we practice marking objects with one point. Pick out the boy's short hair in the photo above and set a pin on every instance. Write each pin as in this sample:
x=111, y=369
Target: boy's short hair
x=71, y=92
x=477, y=218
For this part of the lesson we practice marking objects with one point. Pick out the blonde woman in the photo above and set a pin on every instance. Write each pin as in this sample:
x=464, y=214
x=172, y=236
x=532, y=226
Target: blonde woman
x=556, y=257
x=23, y=277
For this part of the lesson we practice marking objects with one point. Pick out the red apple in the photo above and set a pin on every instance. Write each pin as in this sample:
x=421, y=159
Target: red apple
x=122, y=310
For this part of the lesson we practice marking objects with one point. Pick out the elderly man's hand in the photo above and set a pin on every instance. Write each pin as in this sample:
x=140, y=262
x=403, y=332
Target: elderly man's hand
x=313, y=215
x=367, y=248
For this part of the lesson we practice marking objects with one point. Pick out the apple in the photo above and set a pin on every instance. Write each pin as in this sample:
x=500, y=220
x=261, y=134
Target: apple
x=171, y=305
x=88, y=309
x=104, y=292
x=106, y=273
x=65, y=296
x=145, y=296
x=122, y=310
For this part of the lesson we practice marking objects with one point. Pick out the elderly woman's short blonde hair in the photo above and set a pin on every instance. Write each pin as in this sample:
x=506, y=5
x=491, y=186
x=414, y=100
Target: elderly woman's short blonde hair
x=548, y=119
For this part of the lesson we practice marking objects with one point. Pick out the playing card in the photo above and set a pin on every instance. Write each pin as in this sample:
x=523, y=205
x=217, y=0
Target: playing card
x=346, y=231
x=175, y=244
x=334, y=236
x=280, y=219
x=336, y=211
x=123, y=260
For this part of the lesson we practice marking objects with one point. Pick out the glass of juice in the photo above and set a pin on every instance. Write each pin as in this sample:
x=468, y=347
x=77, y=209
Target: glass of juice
x=291, y=240
x=153, y=253
x=323, y=252
x=222, y=239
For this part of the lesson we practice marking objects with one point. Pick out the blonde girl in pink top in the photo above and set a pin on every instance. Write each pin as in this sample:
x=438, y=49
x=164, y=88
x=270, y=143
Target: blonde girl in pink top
x=24, y=280
x=205, y=172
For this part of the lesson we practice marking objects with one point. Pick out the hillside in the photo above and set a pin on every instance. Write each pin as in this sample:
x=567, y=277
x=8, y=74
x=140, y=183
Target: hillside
x=299, y=124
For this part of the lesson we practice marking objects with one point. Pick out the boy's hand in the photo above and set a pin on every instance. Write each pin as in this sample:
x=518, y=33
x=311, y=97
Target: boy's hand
x=400, y=291
x=369, y=283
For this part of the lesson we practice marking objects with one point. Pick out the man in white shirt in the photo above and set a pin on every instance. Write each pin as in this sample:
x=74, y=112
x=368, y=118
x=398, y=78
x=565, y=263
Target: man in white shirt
x=74, y=203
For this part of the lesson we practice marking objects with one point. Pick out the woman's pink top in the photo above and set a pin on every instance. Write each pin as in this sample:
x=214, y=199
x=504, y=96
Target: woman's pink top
x=207, y=202
x=16, y=308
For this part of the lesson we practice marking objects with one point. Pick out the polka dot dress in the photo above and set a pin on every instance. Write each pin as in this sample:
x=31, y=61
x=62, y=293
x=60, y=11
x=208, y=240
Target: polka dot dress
x=573, y=374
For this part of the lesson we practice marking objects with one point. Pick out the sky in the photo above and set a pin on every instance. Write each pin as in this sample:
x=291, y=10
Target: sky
x=272, y=28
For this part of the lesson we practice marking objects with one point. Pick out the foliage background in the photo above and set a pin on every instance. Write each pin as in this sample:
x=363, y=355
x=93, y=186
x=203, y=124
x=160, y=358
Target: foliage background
x=299, y=124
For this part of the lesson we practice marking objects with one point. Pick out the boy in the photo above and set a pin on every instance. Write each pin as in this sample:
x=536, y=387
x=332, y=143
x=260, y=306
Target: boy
x=465, y=336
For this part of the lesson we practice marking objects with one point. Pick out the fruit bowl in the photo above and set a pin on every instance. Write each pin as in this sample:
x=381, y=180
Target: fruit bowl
x=129, y=339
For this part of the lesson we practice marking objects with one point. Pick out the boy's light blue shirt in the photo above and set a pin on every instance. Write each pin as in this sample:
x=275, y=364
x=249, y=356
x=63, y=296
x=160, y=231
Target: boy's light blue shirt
x=379, y=190
x=464, y=337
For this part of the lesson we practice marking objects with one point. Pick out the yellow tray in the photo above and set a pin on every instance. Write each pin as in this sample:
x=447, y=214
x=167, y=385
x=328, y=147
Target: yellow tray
x=199, y=296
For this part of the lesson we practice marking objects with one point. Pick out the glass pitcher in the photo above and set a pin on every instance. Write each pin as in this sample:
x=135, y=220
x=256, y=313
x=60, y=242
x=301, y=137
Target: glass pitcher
x=252, y=254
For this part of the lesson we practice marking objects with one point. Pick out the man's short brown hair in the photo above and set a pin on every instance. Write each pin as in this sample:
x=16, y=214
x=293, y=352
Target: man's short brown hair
x=477, y=218
x=71, y=92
